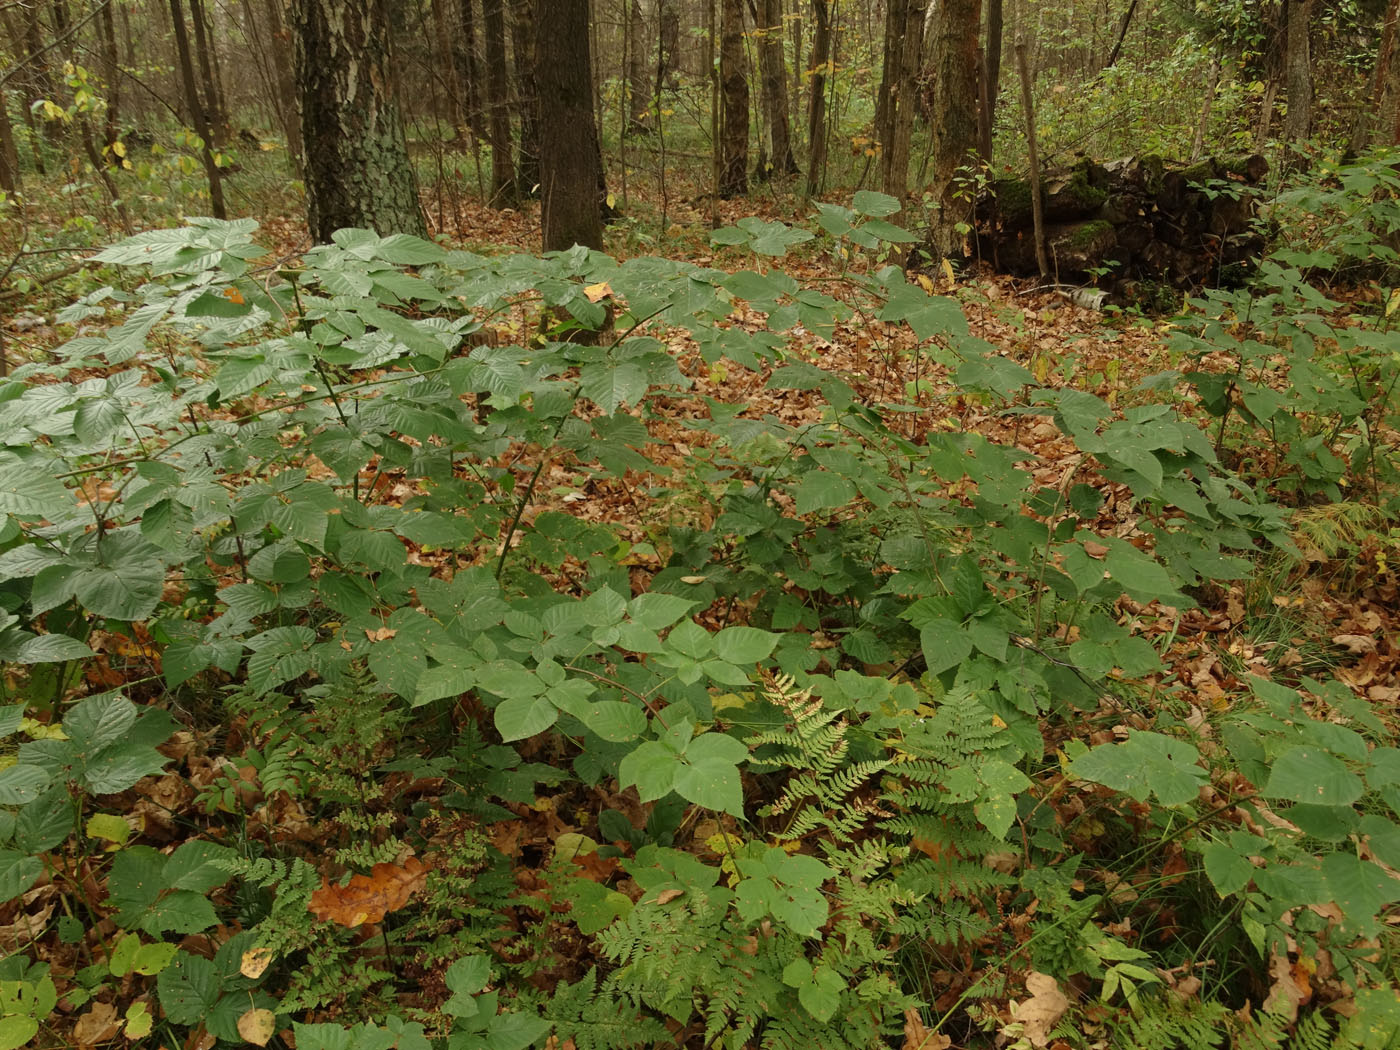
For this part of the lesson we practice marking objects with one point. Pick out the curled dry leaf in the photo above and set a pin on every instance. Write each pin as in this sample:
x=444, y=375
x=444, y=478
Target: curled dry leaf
x=598, y=291
x=257, y=1026
x=667, y=896
x=1042, y=1010
x=368, y=898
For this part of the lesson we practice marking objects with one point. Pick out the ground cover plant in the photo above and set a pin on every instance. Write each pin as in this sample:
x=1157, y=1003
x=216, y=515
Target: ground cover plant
x=413, y=647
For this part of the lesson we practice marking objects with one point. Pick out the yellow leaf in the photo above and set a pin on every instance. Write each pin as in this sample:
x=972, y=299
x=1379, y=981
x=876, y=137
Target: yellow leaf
x=594, y=292
x=119, y=148
x=255, y=962
x=948, y=272
x=108, y=826
x=257, y=1026
x=925, y=283
x=612, y=200
x=1394, y=303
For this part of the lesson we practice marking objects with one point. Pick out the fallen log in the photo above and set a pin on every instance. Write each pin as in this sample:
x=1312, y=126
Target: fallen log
x=1139, y=219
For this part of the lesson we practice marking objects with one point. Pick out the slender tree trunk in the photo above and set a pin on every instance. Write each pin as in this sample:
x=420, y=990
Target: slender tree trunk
x=10, y=180
x=528, y=96
x=40, y=85
x=503, y=189
x=904, y=22
x=107, y=33
x=1032, y=151
x=215, y=112
x=991, y=78
x=287, y=114
x=197, y=109
x=469, y=67
x=734, y=86
x=638, y=91
x=1123, y=25
x=953, y=123
x=669, y=37
x=358, y=170
x=773, y=84
x=1198, y=140
x=1298, y=70
x=571, y=211
x=443, y=49
x=1380, y=125
x=816, y=102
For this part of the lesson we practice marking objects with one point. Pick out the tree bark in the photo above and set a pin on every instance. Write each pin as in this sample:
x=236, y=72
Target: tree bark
x=215, y=111
x=991, y=78
x=446, y=60
x=668, y=43
x=468, y=67
x=904, y=34
x=816, y=102
x=107, y=34
x=503, y=188
x=734, y=133
x=198, y=111
x=286, y=83
x=953, y=123
x=773, y=84
x=638, y=92
x=571, y=211
x=10, y=180
x=528, y=98
x=1298, y=70
x=358, y=171
x=1123, y=24
x=1380, y=126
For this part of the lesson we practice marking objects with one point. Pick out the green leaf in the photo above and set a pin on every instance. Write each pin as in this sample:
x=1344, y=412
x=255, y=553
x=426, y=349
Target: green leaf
x=823, y=490
x=1145, y=764
x=189, y=987
x=524, y=716
x=652, y=767
x=1309, y=774
x=51, y=649
x=874, y=204
x=18, y=871
x=744, y=645
x=1228, y=871
x=94, y=723
x=21, y=784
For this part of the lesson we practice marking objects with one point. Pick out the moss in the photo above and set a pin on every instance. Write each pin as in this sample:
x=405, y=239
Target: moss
x=1087, y=234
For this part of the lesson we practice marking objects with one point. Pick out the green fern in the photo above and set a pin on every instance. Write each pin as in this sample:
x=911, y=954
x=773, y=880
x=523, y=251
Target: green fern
x=1169, y=1022
x=599, y=1022
x=823, y=793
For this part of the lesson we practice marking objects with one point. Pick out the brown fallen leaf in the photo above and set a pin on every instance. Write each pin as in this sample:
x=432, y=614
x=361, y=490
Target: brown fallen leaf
x=380, y=634
x=368, y=898
x=257, y=1026
x=918, y=1037
x=598, y=291
x=99, y=1025
x=1360, y=644
x=667, y=896
x=1042, y=1010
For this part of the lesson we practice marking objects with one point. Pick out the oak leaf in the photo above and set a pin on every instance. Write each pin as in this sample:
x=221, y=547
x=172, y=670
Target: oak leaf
x=368, y=898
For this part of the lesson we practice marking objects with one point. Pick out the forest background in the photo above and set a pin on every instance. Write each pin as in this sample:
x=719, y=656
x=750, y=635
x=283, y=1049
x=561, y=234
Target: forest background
x=743, y=523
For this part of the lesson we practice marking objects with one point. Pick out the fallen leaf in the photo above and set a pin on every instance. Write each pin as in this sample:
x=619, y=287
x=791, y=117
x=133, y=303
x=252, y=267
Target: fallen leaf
x=1360, y=644
x=380, y=634
x=257, y=1026
x=917, y=1035
x=233, y=295
x=368, y=898
x=98, y=1025
x=667, y=896
x=601, y=290
x=1042, y=1010
x=255, y=962
x=1096, y=551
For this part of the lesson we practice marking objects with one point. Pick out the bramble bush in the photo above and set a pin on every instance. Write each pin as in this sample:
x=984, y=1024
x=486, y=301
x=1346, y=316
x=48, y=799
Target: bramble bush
x=863, y=656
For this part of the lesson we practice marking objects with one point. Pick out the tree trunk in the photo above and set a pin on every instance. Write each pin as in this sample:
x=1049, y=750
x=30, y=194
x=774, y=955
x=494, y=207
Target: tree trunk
x=773, y=83
x=1123, y=24
x=668, y=43
x=358, y=170
x=816, y=102
x=904, y=24
x=503, y=189
x=197, y=111
x=991, y=78
x=107, y=34
x=287, y=114
x=638, y=92
x=469, y=68
x=446, y=60
x=1298, y=70
x=10, y=180
x=571, y=212
x=734, y=87
x=215, y=111
x=1381, y=125
x=528, y=96
x=953, y=123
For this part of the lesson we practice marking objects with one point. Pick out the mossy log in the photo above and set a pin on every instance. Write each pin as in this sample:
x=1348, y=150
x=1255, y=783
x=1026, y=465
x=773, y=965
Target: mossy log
x=1140, y=217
